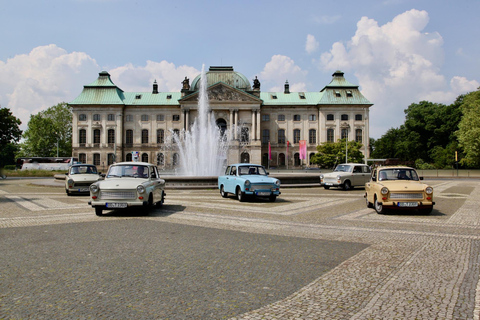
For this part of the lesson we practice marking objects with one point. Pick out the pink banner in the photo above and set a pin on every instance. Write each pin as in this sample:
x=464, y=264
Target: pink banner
x=303, y=149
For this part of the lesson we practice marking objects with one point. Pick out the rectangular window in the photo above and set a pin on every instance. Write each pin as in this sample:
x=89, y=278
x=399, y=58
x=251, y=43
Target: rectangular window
x=281, y=136
x=330, y=117
x=129, y=137
x=129, y=118
x=111, y=117
x=96, y=136
x=96, y=159
x=96, y=117
x=176, y=117
x=358, y=135
x=265, y=136
x=344, y=117
x=297, y=117
x=312, y=136
x=82, y=157
x=82, y=117
x=358, y=117
x=330, y=135
x=160, y=136
x=312, y=117
x=281, y=117
x=144, y=117
x=111, y=136
x=144, y=136
x=160, y=117
x=265, y=117
x=82, y=136
x=296, y=136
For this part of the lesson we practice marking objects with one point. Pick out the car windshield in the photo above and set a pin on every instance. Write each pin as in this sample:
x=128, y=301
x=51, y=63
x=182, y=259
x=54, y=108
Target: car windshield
x=343, y=168
x=83, y=170
x=397, y=174
x=244, y=170
x=128, y=171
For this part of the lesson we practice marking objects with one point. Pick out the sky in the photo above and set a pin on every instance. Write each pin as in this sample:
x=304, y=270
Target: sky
x=399, y=52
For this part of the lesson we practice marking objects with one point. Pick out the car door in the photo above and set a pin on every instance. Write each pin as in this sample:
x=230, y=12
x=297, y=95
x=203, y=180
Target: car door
x=357, y=176
x=157, y=184
x=229, y=182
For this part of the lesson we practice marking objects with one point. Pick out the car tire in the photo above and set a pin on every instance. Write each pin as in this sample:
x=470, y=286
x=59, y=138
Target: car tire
x=159, y=204
x=378, y=207
x=347, y=185
x=68, y=193
x=98, y=211
x=326, y=187
x=368, y=203
x=240, y=195
x=272, y=198
x=223, y=193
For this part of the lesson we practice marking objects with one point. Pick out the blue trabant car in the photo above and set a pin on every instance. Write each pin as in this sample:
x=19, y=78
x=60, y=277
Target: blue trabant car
x=247, y=179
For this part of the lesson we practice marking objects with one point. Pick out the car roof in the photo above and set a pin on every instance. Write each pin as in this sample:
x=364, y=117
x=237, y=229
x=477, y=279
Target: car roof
x=131, y=163
x=351, y=164
x=395, y=167
x=83, y=165
x=246, y=164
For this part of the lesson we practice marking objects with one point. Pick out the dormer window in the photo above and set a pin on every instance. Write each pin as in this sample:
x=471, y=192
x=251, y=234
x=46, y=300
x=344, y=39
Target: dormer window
x=337, y=94
x=349, y=93
x=138, y=96
x=169, y=96
x=274, y=96
x=301, y=95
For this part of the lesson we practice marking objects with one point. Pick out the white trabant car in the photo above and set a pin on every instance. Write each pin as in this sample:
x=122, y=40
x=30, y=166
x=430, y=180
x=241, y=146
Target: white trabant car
x=346, y=176
x=398, y=188
x=79, y=178
x=128, y=184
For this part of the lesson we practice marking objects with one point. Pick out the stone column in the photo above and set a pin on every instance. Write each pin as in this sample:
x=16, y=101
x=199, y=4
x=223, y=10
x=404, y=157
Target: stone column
x=254, y=131
x=235, y=132
x=230, y=132
x=258, y=124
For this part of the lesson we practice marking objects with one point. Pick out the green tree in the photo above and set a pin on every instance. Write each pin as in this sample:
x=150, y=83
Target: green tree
x=329, y=154
x=46, y=129
x=10, y=134
x=469, y=129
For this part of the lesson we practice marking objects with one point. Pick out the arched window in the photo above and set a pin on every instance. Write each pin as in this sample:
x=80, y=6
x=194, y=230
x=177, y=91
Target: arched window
x=160, y=136
x=281, y=159
x=96, y=159
x=144, y=136
x=265, y=136
x=358, y=117
x=128, y=157
x=160, y=159
x=82, y=136
x=129, y=137
x=222, y=125
x=358, y=135
x=330, y=135
x=344, y=117
x=144, y=157
x=176, y=159
x=111, y=136
x=281, y=136
x=82, y=157
x=330, y=117
x=344, y=134
x=110, y=158
x=82, y=117
x=96, y=117
x=296, y=136
x=96, y=136
x=296, y=158
x=244, y=157
x=312, y=136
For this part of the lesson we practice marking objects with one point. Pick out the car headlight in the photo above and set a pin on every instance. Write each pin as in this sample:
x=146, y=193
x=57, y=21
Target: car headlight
x=93, y=188
x=384, y=190
x=70, y=182
x=140, y=189
x=277, y=183
x=428, y=190
x=339, y=177
x=321, y=177
x=247, y=183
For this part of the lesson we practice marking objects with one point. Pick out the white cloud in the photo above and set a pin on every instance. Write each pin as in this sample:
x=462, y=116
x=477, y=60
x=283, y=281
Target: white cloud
x=280, y=69
x=326, y=19
x=168, y=76
x=396, y=64
x=311, y=45
x=46, y=76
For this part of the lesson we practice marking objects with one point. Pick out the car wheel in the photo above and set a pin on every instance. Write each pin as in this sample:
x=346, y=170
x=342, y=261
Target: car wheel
x=223, y=193
x=326, y=187
x=98, y=211
x=159, y=204
x=378, y=207
x=368, y=203
x=272, y=198
x=426, y=211
x=68, y=193
x=240, y=195
x=347, y=185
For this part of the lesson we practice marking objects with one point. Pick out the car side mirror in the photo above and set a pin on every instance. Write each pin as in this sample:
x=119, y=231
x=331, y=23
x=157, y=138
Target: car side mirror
x=421, y=178
x=66, y=173
x=103, y=175
x=268, y=173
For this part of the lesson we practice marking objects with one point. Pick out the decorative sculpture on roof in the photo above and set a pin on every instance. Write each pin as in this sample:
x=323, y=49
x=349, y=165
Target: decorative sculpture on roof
x=186, y=84
x=256, y=83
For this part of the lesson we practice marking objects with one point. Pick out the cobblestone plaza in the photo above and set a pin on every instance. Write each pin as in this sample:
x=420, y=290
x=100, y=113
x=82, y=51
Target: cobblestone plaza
x=312, y=254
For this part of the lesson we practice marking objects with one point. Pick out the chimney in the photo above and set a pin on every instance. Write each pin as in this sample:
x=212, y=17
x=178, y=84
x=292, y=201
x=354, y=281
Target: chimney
x=287, y=87
x=155, y=87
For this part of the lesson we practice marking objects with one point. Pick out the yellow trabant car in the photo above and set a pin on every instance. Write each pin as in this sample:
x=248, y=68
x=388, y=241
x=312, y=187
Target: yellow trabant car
x=398, y=188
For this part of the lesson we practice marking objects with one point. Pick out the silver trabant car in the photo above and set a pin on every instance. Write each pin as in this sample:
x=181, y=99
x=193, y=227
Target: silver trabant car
x=346, y=176
x=128, y=184
x=79, y=178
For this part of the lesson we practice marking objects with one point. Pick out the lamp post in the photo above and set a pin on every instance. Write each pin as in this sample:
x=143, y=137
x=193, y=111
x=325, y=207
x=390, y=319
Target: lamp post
x=56, y=133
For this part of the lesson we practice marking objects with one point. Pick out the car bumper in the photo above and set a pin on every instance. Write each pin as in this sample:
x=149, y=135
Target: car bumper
x=262, y=193
x=330, y=184
x=407, y=204
x=117, y=204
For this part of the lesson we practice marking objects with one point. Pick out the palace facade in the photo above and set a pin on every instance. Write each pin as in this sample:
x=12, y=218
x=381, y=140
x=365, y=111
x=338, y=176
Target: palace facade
x=112, y=125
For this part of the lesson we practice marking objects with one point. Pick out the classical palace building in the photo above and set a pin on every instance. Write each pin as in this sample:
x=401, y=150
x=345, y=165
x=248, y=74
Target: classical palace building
x=112, y=125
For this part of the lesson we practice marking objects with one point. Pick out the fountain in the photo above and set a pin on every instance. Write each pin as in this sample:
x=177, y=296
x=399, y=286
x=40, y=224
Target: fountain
x=202, y=149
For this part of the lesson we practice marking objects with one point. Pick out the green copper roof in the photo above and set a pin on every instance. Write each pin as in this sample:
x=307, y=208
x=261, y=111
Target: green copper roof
x=341, y=92
x=292, y=98
x=148, y=98
x=101, y=91
x=223, y=74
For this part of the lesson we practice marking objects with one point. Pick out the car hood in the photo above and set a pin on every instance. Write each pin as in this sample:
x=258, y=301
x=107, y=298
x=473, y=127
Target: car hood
x=336, y=173
x=84, y=177
x=402, y=185
x=257, y=178
x=121, y=183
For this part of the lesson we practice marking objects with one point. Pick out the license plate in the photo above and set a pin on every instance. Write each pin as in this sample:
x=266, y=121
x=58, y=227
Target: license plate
x=328, y=184
x=116, y=205
x=263, y=193
x=83, y=190
x=408, y=204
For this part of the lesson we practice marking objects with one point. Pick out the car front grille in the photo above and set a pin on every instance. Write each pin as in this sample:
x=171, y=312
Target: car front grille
x=117, y=195
x=406, y=196
x=261, y=187
x=82, y=184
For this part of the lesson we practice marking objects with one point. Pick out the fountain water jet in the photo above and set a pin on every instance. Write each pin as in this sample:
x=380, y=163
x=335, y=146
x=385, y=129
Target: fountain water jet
x=202, y=149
